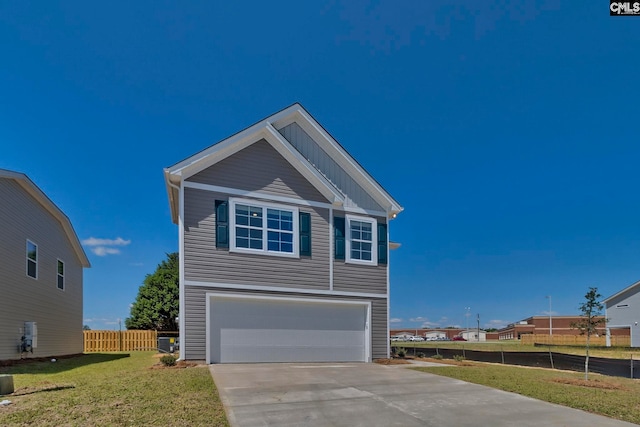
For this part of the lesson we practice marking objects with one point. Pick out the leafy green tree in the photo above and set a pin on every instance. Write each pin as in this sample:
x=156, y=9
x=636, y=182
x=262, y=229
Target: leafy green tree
x=591, y=318
x=86, y=328
x=157, y=304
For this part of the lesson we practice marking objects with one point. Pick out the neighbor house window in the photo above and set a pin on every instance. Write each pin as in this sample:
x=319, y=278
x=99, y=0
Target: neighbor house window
x=60, y=275
x=32, y=259
x=263, y=228
x=361, y=242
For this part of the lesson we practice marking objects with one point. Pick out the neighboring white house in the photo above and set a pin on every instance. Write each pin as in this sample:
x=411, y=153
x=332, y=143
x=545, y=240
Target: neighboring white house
x=284, y=247
x=623, y=311
x=41, y=269
x=473, y=335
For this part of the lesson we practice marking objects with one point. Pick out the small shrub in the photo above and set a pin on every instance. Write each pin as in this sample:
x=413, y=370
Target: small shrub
x=459, y=358
x=437, y=357
x=401, y=353
x=421, y=355
x=168, y=360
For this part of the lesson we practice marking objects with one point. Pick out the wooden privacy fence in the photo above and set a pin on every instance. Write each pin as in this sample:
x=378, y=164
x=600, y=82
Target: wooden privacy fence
x=120, y=341
x=616, y=340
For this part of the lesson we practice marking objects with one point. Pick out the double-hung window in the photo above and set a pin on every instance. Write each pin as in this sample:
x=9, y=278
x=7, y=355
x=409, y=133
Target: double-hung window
x=32, y=259
x=263, y=228
x=361, y=242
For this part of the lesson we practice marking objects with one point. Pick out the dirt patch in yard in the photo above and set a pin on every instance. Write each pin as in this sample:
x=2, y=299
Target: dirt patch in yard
x=392, y=361
x=179, y=365
x=27, y=360
x=594, y=383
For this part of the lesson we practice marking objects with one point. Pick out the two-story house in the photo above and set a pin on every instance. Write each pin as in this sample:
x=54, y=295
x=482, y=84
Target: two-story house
x=623, y=313
x=41, y=268
x=284, y=247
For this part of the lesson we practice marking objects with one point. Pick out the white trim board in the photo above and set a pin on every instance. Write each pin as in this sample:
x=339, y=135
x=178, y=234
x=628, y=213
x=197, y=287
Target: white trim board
x=282, y=289
x=276, y=198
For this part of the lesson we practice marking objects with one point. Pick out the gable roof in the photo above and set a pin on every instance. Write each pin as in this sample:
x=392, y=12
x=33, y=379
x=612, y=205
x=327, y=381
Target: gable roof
x=617, y=294
x=268, y=129
x=32, y=189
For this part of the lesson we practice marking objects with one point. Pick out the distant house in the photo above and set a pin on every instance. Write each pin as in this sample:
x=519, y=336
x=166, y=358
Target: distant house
x=41, y=269
x=474, y=335
x=623, y=313
x=284, y=247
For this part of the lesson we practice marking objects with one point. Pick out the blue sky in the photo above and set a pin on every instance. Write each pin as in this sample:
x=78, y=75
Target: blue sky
x=507, y=131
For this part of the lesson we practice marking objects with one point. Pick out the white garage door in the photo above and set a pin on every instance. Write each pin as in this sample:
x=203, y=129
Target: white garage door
x=246, y=330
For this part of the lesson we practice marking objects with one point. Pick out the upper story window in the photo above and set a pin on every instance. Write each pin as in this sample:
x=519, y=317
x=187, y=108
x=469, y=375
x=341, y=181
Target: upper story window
x=60, y=275
x=362, y=240
x=32, y=259
x=263, y=228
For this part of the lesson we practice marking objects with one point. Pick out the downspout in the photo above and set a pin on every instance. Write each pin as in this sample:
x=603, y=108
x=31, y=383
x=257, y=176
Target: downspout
x=331, y=249
x=181, y=302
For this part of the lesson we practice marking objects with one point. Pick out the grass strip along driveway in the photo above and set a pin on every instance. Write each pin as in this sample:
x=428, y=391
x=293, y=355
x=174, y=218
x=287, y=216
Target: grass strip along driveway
x=110, y=389
x=610, y=396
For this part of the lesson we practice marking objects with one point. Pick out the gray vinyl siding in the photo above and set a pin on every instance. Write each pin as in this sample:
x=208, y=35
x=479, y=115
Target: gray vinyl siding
x=58, y=313
x=626, y=316
x=195, y=318
x=349, y=277
x=379, y=332
x=359, y=278
x=204, y=263
x=356, y=196
x=259, y=167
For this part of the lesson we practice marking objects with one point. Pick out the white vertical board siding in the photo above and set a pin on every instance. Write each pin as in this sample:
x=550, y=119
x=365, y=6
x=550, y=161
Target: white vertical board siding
x=58, y=313
x=248, y=330
x=259, y=167
x=356, y=196
x=204, y=263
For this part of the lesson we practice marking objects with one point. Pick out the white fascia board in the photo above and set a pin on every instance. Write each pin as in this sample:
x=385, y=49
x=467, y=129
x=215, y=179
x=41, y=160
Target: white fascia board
x=344, y=159
x=30, y=187
x=303, y=166
x=218, y=152
x=278, y=199
x=173, y=195
x=230, y=146
x=628, y=288
x=226, y=147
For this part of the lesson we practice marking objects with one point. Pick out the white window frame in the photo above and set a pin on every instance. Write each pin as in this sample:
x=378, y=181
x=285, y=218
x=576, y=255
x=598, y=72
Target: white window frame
x=58, y=275
x=31, y=260
x=265, y=249
x=374, y=241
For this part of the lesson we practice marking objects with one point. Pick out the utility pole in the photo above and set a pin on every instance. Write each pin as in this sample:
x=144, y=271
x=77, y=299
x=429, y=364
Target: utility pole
x=478, y=327
x=550, y=318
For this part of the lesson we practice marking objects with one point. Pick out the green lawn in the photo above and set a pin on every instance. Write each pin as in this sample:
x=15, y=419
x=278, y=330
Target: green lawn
x=114, y=389
x=610, y=396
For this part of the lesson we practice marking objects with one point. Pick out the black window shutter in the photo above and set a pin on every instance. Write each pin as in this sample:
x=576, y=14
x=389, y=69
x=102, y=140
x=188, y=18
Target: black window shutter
x=382, y=244
x=338, y=225
x=222, y=224
x=305, y=234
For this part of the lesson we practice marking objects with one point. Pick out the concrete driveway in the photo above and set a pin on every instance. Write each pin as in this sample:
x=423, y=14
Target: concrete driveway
x=367, y=394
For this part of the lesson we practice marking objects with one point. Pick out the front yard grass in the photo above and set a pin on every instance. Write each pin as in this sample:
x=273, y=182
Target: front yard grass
x=610, y=396
x=111, y=389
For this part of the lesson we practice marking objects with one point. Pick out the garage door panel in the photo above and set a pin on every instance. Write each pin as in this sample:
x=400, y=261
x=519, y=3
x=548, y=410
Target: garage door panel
x=247, y=330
